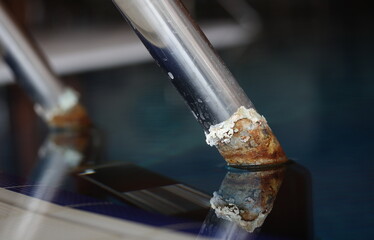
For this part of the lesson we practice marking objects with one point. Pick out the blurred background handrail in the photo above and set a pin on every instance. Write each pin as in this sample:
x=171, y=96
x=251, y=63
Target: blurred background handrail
x=87, y=50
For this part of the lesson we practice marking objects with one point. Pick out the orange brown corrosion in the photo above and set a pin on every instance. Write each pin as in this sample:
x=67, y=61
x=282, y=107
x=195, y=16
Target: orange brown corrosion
x=75, y=118
x=252, y=146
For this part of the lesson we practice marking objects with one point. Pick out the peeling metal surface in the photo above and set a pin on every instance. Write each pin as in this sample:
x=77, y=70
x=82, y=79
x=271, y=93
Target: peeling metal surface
x=257, y=146
x=246, y=139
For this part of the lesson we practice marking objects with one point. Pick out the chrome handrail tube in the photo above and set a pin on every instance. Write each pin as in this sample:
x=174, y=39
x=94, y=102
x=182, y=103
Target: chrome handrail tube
x=179, y=46
x=29, y=66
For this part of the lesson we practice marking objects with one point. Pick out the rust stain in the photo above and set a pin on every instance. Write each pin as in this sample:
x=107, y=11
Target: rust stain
x=252, y=146
x=76, y=118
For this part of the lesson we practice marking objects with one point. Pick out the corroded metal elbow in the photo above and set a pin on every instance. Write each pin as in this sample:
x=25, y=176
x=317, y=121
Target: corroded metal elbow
x=245, y=139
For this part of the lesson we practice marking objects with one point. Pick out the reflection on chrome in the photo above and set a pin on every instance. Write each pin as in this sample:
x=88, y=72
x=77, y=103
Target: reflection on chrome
x=61, y=154
x=242, y=203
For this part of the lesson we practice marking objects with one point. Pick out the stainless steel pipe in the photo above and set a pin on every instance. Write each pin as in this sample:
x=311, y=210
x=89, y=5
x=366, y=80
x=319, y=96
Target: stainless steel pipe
x=56, y=103
x=181, y=49
x=229, y=119
x=29, y=66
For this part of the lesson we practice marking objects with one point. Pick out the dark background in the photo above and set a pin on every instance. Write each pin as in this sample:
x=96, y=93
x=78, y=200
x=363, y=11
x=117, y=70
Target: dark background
x=309, y=71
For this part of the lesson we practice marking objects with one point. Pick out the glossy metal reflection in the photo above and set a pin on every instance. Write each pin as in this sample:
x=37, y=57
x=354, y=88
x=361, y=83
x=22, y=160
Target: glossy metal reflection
x=54, y=102
x=61, y=154
x=22, y=57
x=180, y=48
x=242, y=203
